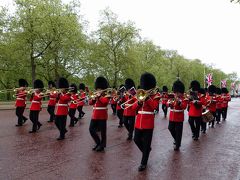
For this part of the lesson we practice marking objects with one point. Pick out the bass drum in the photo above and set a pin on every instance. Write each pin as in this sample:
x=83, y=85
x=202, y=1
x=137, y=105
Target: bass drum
x=207, y=116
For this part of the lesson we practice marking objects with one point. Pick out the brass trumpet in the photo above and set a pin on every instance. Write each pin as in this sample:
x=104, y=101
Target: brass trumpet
x=105, y=93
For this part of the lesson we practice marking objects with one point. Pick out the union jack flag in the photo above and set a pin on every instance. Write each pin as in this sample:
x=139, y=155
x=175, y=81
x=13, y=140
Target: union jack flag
x=223, y=83
x=209, y=79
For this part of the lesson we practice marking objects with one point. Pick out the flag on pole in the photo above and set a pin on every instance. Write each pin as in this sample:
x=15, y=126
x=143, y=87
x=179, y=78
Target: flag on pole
x=209, y=79
x=232, y=85
x=223, y=83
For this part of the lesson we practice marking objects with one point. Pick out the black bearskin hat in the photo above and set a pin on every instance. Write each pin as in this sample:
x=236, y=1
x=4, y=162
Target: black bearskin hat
x=82, y=86
x=22, y=83
x=63, y=83
x=178, y=86
x=51, y=83
x=202, y=91
x=224, y=90
x=101, y=83
x=212, y=89
x=129, y=83
x=218, y=91
x=195, y=85
x=38, y=84
x=165, y=89
x=73, y=88
x=147, y=81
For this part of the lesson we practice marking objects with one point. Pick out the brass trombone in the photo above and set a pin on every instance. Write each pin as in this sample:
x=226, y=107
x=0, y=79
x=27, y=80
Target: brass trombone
x=105, y=92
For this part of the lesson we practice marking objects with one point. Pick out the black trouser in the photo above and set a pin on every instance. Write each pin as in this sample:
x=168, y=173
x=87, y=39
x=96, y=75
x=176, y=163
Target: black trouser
x=71, y=114
x=176, y=129
x=120, y=116
x=19, y=114
x=203, y=125
x=195, y=123
x=50, y=110
x=114, y=108
x=218, y=115
x=213, y=121
x=224, y=113
x=102, y=126
x=34, y=118
x=129, y=124
x=81, y=113
x=164, y=108
x=143, y=140
x=60, y=121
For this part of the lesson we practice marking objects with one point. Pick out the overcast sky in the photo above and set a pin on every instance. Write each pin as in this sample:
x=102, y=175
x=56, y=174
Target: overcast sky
x=208, y=30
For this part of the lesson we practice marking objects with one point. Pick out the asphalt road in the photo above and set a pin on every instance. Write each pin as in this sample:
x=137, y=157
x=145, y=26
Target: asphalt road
x=40, y=156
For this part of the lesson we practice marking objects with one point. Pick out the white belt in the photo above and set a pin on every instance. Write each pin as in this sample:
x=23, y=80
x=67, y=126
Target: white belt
x=52, y=98
x=62, y=104
x=145, y=112
x=35, y=102
x=175, y=110
x=100, y=108
x=20, y=99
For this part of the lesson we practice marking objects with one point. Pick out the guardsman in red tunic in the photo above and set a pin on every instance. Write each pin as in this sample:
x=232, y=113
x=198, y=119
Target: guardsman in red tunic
x=218, y=105
x=99, y=114
x=176, y=116
x=36, y=105
x=203, y=99
x=226, y=98
x=113, y=102
x=52, y=100
x=145, y=118
x=61, y=110
x=129, y=112
x=120, y=99
x=81, y=101
x=195, y=109
x=211, y=102
x=164, y=100
x=20, y=104
x=73, y=105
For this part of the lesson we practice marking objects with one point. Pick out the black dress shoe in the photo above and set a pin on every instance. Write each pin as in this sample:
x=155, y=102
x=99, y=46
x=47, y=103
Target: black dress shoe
x=60, y=138
x=174, y=142
x=176, y=148
x=100, y=149
x=195, y=138
x=32, y=131
x=24, y=120
x=142, y=167
x=39, y=125
x=129, y=138
x=50, y=121
x=18, y=125
x=95, y=147
x=120, y=126
x=204, y=131
x=71, y=125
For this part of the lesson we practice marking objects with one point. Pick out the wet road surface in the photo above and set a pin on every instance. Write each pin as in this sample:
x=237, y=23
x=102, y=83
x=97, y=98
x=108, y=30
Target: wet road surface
x=40, y=156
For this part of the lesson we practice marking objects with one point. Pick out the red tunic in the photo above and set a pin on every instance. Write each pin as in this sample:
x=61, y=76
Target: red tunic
x=177, y=110
x=113, y=100
x=145, y=116
x=164, y=98
x=100, y=110
x=219, y=102
x=74, y=101
x=82, y=97
x=195, y=107
x=211, y=100
x=226, y=98
x=62, y=105
x=36, y=103
x=119, y=102
x=52, y=99
x=21, y=98
x=129, y=111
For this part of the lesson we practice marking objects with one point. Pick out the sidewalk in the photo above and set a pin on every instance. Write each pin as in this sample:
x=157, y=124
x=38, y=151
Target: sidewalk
x=11, y=105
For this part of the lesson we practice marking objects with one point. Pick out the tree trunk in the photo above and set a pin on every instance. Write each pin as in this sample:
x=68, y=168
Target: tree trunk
x=56, y=68
x=33, y=66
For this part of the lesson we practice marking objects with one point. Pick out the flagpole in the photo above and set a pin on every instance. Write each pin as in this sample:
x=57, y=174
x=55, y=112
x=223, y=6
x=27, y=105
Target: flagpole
x=204, y=78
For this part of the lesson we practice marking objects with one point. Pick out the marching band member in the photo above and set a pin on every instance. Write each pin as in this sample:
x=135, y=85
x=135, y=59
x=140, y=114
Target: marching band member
x=164, y=100
x=35, y=106
x=219, y=101
x=119, y=102
x=73, y=105
x=176, y=117
x=195, y=109
x=61, y=110
x=52, y=100
x=82, y=97
x=226, y=98
x=145, y=118
x=129, y=113
x=211, y=100
x=203, y=99
x=20, y=103
x=99, y=114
